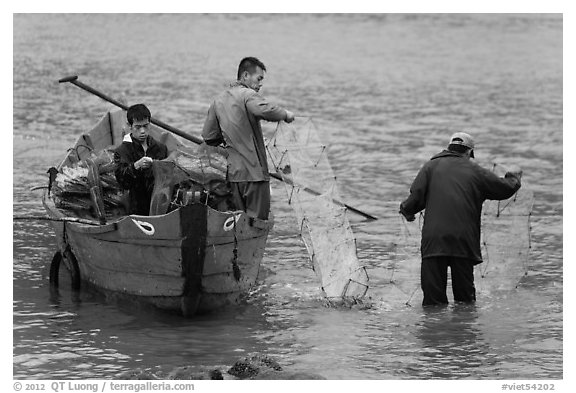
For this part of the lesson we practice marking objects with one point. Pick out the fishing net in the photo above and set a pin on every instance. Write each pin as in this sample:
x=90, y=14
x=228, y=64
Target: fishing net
x=301, y=160
x=71, y=186
x=505, y=245
x=505, y=240
x=402, y=271
x=191, y=176
x=186, y=176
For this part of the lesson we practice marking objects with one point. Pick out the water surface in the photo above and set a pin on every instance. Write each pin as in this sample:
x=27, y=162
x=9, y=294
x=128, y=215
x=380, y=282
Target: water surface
x=386, y=91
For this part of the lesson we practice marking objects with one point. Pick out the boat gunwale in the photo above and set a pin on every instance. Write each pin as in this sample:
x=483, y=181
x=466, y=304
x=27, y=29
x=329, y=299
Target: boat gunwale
x=97, y=228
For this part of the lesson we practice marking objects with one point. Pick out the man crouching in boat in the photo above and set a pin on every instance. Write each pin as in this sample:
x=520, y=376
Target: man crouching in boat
x=234, y=120
x=134, y=160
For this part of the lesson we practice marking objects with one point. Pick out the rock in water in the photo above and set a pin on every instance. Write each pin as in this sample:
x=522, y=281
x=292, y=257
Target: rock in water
x=137, y=375
x=187, y=373
x=287, y=375
x=251, y=366
x=262, y=367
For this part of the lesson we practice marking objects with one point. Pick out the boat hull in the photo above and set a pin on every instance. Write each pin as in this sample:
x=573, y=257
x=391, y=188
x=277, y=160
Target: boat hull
x=192, y=260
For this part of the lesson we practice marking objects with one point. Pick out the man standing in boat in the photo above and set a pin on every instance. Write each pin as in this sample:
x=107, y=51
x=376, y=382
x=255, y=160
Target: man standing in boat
x=234, y=120
x=452, y=189
x=134, y=159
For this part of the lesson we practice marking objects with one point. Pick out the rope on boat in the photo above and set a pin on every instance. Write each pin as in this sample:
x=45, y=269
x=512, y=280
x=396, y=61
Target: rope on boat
x=62, y=219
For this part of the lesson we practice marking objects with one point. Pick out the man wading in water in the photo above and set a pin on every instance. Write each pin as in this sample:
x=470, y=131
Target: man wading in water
x=452, y=189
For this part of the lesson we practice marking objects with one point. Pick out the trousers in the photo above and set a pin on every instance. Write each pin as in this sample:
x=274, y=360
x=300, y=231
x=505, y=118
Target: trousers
x=252, y=197
x=434, y=279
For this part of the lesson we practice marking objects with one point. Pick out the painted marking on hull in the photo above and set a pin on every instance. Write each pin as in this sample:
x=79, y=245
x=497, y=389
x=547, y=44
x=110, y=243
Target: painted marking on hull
x=145, y=227
x=231, y=222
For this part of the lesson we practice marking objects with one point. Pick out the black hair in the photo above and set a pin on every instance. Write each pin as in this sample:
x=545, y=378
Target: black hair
x=249, y=64
x=458, y=148
x=138, y=112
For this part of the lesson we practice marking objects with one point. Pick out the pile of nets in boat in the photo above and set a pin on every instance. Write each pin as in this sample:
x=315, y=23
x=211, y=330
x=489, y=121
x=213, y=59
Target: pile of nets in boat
x=302, y=161
x=186, y=176
x=71, y=186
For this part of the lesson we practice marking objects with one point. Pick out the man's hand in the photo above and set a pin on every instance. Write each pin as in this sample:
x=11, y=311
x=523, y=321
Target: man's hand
x=408, y=217
x=516, y=174
x=289, y=117
x=143, y=163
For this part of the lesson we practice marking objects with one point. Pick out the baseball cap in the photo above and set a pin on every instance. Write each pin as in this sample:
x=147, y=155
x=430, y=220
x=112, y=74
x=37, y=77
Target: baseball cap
x=463, y=139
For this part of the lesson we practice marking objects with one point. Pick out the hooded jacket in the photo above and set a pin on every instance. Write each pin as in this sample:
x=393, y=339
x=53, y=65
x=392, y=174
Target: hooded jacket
x=452, y=189
x=234, y=118
x=139, y=182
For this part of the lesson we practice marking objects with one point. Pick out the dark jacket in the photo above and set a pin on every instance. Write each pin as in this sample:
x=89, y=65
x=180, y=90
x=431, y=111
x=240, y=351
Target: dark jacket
x=140, y=182
x=452, y=189
x=234, y=118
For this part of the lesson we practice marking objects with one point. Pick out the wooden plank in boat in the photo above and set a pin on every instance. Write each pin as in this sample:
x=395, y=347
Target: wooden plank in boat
x=143, y=242
x=101, y=134
x=92, y=229
x=134, y=284
x=125, y=257
x=218, y=259
x=227, y=283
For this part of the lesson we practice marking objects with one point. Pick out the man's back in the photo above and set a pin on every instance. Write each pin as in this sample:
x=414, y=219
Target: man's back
x=234, y=116
x=452, y=189
x=243, y=135
x=453, y=207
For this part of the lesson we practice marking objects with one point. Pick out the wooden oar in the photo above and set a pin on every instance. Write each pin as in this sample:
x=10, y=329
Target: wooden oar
x=336, y=201
x=74, y=80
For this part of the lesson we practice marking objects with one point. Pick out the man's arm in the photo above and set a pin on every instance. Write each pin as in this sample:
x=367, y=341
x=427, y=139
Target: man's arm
x=499, y=188
x=212, y=133
x=125, y=170
x=416, y=202
x=163, y=153
x=260, y=107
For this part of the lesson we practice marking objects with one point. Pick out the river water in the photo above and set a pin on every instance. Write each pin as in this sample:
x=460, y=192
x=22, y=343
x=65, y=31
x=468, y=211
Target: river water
x=385, y=91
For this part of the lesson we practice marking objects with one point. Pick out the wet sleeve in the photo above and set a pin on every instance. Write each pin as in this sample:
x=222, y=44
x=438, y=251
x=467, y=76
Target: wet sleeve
x=499, y=188
x=212, y=133
x=416, y=202
x=260, y=107
x=125, y=171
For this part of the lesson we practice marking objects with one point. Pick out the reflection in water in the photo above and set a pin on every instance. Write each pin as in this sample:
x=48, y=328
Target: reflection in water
x=452, y=342
x=93, y=335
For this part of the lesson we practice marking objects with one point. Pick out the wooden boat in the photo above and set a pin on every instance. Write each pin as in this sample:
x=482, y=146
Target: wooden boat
x=193, y=259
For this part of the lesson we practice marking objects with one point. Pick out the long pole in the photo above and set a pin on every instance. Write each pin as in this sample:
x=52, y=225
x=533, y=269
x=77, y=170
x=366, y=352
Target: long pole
x=74, y=80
